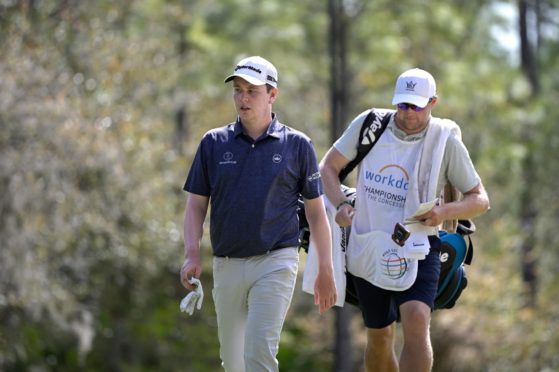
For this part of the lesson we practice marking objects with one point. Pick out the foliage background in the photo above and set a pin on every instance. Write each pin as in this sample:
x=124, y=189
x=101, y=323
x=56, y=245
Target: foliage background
x=102, y=105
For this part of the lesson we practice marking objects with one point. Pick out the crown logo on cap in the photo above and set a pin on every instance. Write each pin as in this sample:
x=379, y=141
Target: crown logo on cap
x=410, y=85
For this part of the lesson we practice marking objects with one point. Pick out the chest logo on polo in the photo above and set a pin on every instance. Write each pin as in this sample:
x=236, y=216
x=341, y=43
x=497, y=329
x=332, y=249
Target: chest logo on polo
x=276, y=158
x=227, y=158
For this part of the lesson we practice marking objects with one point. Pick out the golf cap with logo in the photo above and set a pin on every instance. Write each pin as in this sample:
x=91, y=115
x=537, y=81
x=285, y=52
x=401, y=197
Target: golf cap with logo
x=256, y=70
x=414, y=86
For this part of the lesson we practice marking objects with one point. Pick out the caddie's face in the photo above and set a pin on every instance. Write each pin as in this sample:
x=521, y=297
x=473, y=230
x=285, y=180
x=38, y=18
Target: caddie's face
x=411, y=121
x=253, y=102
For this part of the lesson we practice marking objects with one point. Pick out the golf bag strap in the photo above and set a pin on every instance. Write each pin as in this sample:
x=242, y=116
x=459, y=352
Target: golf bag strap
x=364, y=146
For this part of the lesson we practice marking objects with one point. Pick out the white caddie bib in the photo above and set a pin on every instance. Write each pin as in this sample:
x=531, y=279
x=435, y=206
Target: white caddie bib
x=382, y=187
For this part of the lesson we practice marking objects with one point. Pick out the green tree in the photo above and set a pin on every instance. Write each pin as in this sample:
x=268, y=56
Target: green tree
x=102, y=105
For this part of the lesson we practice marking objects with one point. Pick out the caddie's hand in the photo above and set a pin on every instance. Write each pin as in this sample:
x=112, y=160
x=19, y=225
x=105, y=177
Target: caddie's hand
x=434, y=217
x=325, y=291
x=191, y=268
x=344, y=215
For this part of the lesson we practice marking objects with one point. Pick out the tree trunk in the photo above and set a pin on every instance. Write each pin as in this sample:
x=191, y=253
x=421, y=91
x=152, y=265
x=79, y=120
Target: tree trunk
x=527, y=55
x=338, y=67
x=181, y=126
x=181, y=114
x=528, y=211
x=339, y=97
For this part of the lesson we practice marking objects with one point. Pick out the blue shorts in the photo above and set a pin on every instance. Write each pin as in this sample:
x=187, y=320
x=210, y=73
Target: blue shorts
x=380, y=306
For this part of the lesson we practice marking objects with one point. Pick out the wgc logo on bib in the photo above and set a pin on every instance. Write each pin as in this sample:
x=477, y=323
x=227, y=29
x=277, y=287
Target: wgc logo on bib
x=393, y=265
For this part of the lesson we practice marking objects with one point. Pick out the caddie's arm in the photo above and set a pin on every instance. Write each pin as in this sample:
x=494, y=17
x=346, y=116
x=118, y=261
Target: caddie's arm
x=474, y=203
x=324, y=286
x=193, y=229
x=330, y=168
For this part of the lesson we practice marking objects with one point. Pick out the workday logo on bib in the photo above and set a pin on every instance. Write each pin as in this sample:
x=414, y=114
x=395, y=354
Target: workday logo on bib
x=393, y=265
x=388, y=186
x=392, y=176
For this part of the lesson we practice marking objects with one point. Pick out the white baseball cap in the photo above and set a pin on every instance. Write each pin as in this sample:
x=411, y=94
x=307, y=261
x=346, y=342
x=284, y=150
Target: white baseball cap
x=415, y=86
x=256, y=70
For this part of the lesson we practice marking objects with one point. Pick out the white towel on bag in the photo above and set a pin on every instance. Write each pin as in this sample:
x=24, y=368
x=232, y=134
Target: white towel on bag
x=338, y=259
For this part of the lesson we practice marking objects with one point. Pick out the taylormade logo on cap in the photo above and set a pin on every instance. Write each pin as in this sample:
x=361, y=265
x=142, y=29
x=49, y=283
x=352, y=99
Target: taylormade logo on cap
x=256, y=70
x=415, y=86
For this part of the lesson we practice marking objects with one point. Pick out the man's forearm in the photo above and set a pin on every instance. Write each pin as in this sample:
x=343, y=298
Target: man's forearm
x=332, y=186
x=193, y=228
x=193, y=232
x=323, y=243
x=471, y=206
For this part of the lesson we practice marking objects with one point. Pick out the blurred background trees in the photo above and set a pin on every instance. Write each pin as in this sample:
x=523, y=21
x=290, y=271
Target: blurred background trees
x=102, y=105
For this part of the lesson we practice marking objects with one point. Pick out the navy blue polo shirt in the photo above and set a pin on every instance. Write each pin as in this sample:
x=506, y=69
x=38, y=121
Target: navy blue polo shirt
x=254, y=186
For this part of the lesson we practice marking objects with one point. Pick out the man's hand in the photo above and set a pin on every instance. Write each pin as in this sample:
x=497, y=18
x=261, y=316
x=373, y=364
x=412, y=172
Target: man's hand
x=324, y=290
x=190, y=268
x=344, y=215
x=432, y=218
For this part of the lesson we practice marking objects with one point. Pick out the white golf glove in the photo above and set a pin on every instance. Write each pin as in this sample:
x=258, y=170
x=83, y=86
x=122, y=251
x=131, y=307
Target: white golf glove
x=188, y=303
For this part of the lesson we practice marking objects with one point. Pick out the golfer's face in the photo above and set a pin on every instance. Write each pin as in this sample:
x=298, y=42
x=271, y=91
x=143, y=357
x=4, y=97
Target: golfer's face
x=252, y=102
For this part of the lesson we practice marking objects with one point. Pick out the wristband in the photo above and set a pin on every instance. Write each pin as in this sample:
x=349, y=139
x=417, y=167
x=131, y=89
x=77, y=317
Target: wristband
x=342, y=204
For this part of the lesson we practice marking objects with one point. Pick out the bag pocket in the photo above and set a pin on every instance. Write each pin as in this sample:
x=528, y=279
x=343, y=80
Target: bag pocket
x=374, y=257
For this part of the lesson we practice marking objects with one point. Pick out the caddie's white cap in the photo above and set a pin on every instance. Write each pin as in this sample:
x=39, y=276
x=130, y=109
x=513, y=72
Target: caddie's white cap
x=256, y=70
x=415, y=86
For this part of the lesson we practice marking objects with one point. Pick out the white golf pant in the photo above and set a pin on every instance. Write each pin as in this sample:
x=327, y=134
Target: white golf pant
x=252, y=296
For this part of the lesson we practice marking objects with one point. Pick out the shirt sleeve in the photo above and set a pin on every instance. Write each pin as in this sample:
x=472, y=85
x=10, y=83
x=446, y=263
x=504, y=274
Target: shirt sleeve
x=458, y=166
x=197, y=181
x=311, y=182
x=347, y=143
